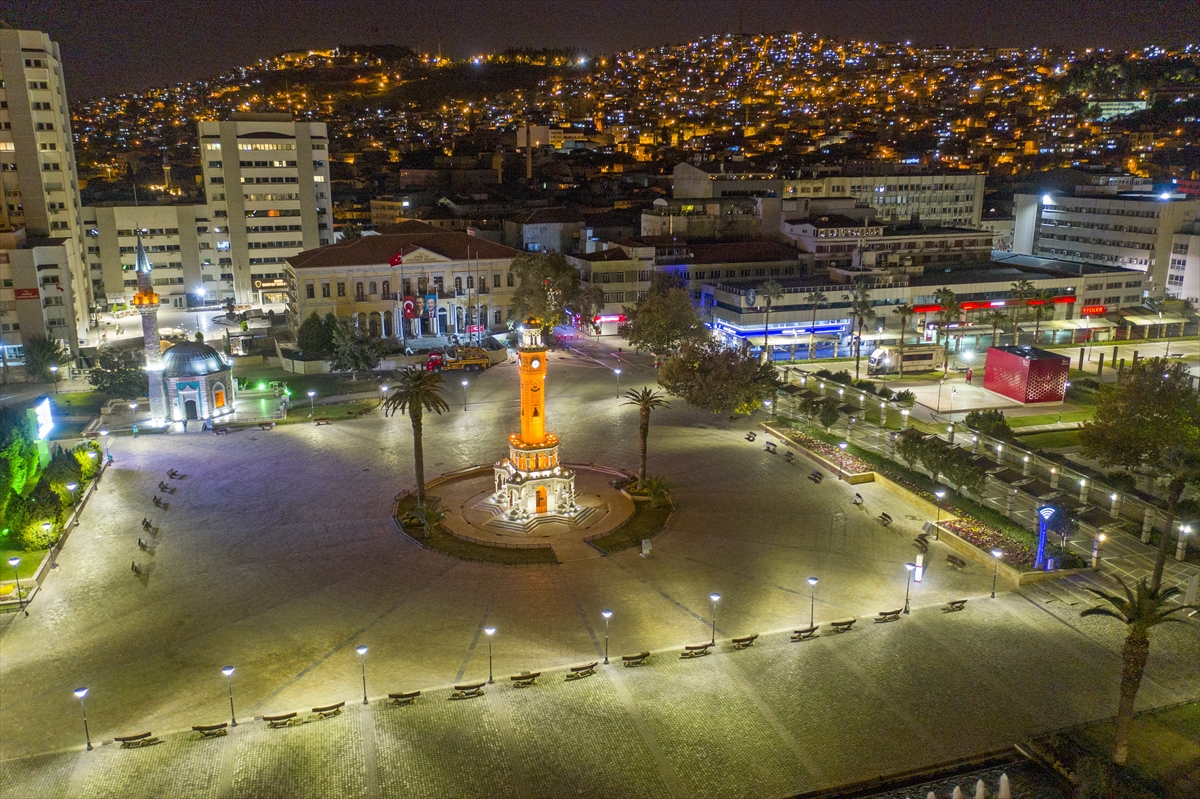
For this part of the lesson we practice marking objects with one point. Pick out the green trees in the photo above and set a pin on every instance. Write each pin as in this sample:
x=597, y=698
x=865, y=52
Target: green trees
x=828, y=413
x=315, y=336
x=718, y=379
x=646, y=400
x=353, y=351
x=119, y=373
x=909, y=445
x=1140, y=611
x=906, y=313
x=995, y=319
x=416, y=392
x=990, y=422
x=1021, y=290
x=40, y=354
x=1150, y=423
x=547, y=285
x=951, y=312
x=861, y=312
x=817, y=300
x=664, y=320
x=769, y=291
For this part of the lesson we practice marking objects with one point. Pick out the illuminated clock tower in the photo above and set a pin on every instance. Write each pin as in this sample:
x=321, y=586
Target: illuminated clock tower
x=531, y=482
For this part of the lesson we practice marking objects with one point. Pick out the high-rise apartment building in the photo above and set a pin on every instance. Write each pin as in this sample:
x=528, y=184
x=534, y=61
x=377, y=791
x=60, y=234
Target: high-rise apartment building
x=39, y=184
x=267, y=182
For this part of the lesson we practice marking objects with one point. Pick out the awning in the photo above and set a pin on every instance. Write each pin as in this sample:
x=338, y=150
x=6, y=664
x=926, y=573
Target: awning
x=1087, y=323
x=787, y=341
x=1147, y=319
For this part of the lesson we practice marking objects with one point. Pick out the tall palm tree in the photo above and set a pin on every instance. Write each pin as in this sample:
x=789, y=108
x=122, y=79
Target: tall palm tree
x=1045, y=300
x=860, y=313
x=769, y=291
x=951, y=312
x=646, y=400
x=1020, y=291
x=1140, y=611
x=905, y=312
x=816, y=299
x=995, y=319
x=414, y=393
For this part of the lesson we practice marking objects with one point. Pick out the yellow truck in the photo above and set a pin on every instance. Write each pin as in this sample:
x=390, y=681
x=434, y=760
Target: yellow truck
x=468, y=359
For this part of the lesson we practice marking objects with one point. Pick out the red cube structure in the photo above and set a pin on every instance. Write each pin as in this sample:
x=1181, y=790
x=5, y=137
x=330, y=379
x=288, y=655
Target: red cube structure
x=1026, y=374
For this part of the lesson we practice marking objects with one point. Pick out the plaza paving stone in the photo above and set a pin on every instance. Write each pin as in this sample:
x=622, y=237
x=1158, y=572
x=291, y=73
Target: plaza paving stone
x=277, y=555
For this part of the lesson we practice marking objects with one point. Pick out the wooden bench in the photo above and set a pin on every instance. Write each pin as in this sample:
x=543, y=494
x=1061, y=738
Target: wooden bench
x=636, y=660
x=922, y=546
x=328, y=710
x=468, y=691
x=280, y=720
x=956, y=562
x=955, y=605
x=744, y=641
x=885, y=519
x=806, y=633
x=751, y=436
x=525, y=679
x=696, y=650
x=790, y=456
x=888, y=615
x=172, y=474
x=770, y=447
x=266, y=425
x=220, y=431
x=212, y=730
x=141, y=739
x=323, y=420
x=923, y=538
x=586, y=670
x=842, y=626
x=404, y=697
x=816, y=477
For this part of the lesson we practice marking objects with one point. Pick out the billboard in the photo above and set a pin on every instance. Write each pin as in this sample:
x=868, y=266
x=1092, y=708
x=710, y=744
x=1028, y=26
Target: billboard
x=27, y=294
x=429, y=309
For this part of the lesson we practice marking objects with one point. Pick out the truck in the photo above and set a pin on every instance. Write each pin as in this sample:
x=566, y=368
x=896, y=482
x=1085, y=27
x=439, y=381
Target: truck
x=917, y=358
x=468, y=359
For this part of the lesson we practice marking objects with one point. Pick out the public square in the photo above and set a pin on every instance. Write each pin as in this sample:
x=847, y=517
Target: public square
x=277, y=555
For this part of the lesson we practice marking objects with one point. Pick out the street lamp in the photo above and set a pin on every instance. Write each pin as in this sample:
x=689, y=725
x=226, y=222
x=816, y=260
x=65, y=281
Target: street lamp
x=841, y=469
x=312, y=404
x=490, y=632
x=953, y=394
x=383, y=390
x=939, y=495
x=71, y=487
x=80, y=693
x=939, y=403
x=54, y=376
x=995, y=570
x=15, y=562
x=812, y=600
x=1180, y=549
x=104, y=440
x=1099, y=542
x=607, y=614
x=909, y=568
x=617, y=372
x=464, y=385
x=767, y=404
x=228, y=672
x=715, y=597
x=1066, y=385
x=362, y=659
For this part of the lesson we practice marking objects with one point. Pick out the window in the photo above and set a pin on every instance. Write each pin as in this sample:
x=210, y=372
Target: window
x=372, y=287
x=358, y=292
x=309, y=291
x=496, y=280
x=325, y=291
x=470, y=282
x=387, y=288
x=497, y=318
x=341, y=289
x=510, y=279
x=458, y=285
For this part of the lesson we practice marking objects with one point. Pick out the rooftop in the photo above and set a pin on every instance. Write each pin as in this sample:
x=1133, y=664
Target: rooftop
x=378, y=250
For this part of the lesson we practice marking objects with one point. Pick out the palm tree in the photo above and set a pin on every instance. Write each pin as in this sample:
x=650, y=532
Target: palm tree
x=657, y=489
x=417, y=391
x=646, y=400
x=430, y=514
x=769, y=291
x=816, y=299
x=905, y=312
x=860, y=312
x=995, y=319
x=1044, y=300
x=1020, y=289
x=1140, y=611
x=950, y=312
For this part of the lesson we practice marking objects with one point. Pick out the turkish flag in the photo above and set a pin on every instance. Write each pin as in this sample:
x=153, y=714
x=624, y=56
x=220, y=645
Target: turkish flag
x=409, y=307
x=397, y=259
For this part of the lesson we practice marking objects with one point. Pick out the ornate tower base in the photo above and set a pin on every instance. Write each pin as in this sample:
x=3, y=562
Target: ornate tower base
x=531, y=482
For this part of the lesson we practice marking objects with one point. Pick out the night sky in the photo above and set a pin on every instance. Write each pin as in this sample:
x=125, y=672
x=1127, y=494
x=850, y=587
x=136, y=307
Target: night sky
x=119, y=45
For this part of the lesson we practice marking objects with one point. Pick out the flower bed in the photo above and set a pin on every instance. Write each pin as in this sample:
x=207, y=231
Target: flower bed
x=988, y=538
x=843, y=460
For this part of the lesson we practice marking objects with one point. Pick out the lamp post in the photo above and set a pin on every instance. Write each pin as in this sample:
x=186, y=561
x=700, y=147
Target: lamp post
x=312, y=404
x=228, y=672
x=362, y=659
x=908, y=586
x=617, y=372
x=607, y=614
x=715, y=597
x=941, y=383
x=841, y=469
x=54, y=376
x=71, y=487
x=1180, y=549
x=15, y=562
x=812, y=600
x=104, y=441
x=464, y=385
x=1066, y=385
x=1096, y=545
x=490, y=632
x=997, y=554
x=383, y=390
x=938, y=503
x=80, y=693
x=770, y=411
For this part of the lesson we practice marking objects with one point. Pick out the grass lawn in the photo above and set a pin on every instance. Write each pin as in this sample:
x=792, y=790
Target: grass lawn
x=646, y=522
x=300, y=385
x=29, y=563
x=1051, y=418
x=71, y=429
x=78, y=403
x=1051, y=440
x=337, y=412
x=468, y=550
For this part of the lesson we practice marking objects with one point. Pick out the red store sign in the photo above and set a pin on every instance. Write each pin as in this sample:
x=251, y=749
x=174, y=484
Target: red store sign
x=27, y=294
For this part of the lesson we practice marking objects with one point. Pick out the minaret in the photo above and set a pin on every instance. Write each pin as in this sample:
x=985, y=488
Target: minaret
x=146, y=302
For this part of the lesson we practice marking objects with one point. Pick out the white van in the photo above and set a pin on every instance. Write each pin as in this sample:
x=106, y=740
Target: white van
x=917, y=358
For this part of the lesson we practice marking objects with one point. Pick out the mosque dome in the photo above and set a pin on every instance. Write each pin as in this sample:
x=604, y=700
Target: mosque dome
x=192, y=359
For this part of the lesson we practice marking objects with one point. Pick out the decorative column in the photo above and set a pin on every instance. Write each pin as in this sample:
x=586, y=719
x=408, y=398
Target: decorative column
x=1115, y=510
x=1147, y=524
x=1054, y=477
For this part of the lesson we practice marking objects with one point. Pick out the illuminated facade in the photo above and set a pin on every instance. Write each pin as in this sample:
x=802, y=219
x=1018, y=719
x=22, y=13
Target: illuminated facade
x=531, y=481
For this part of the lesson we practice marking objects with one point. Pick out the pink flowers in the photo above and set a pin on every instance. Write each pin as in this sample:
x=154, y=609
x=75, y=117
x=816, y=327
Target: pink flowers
x=846, y=462
x=988, y=538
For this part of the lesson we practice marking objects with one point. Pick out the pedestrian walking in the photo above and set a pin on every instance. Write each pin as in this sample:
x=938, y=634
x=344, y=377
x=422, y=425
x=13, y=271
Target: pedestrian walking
x=185, y=425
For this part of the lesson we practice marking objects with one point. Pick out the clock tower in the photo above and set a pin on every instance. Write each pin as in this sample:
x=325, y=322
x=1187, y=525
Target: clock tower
x=530, y=482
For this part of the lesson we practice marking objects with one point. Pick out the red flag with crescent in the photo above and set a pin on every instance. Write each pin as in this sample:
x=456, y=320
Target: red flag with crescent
x=397, y=259
x=408, y=308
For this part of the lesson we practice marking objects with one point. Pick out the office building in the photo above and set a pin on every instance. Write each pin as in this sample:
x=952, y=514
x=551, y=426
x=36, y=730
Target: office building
x=35, y=298
x=39, y=184
x=267, y=181
x=1183, y=273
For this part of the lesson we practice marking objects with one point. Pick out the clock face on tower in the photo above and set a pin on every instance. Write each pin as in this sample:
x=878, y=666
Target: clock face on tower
x=535, y=363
